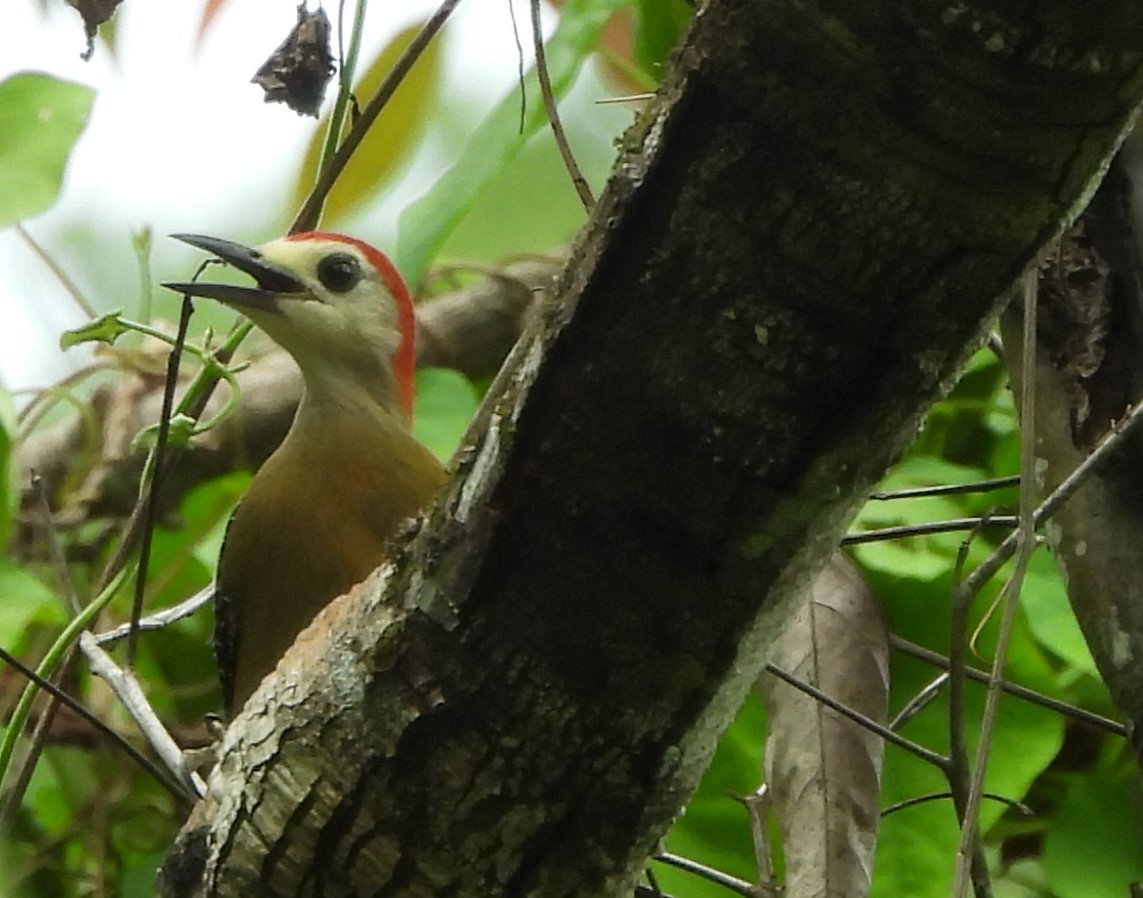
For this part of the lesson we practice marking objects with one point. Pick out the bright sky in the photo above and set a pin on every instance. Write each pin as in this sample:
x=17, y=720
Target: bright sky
x=173, y=131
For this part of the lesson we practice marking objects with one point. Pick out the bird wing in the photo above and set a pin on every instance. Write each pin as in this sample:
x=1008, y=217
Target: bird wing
x=226, y=636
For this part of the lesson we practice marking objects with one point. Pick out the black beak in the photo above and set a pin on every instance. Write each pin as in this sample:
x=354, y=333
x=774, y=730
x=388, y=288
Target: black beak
x=272, y=280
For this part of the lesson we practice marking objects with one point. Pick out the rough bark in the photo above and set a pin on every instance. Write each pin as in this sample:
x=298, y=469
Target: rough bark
x=1088, y=372
x=797, y=250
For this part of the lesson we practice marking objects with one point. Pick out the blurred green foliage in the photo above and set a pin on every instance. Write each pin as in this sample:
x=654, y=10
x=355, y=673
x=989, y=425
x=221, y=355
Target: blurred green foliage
x=428, y=222
x=40, y=120
x=971, y=436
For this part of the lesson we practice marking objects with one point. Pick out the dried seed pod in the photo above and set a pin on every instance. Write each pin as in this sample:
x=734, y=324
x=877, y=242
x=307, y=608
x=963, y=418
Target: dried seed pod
x=299, y=70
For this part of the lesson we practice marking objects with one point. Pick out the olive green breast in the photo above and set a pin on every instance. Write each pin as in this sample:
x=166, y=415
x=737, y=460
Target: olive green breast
x=316, y=520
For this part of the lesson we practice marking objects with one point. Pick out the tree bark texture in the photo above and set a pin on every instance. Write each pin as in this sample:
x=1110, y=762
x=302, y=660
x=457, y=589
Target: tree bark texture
x=800, y=244
x=1088, y=372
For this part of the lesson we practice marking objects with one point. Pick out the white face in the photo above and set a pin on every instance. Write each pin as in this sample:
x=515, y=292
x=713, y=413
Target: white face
x=347, y=317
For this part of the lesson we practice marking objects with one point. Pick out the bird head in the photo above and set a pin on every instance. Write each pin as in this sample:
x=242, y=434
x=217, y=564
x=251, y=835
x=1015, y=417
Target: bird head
x=335, y=303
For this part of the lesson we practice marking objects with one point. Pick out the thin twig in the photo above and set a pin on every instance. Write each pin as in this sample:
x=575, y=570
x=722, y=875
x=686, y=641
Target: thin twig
x=1108, y=444
x=126, y=687
x=141, y=242
x=919, y=702
x=310, y=213
x=577, y=178
x=958, y=772
x=58, y=273
x=653, y=882
x=949, y=489
x=950, y=526
x=159, y=619
x=741, y=886
x=31, y=414
x=342, y=80
x=346, y=67
x=630, y=98
x=642, y=891
x=55, y=547
x=193, y=404
x=758, y=808
x=51, y=660
x=519, y=65
x=914, y=748
x=1027, y=545
x=1080, y=715
x=158, y=472
x=40, y=732
x=132, y=752
x=1018, y=806
x=13, y=796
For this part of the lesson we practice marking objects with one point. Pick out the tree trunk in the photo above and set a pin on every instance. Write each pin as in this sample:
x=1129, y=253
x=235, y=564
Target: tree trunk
x=1088, y=372
x=802, y=241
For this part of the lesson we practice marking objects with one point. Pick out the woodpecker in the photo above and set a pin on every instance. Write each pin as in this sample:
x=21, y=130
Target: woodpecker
x=320, y=511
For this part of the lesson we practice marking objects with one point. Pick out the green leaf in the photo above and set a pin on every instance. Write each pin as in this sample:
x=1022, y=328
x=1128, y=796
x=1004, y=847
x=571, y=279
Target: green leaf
x=389, y=141
x=1095, y=847
x=916, y=845
x=177, y=662
x=924, y=557
x=139, y=874
x=427, y=223
x=660, y=26
x=179, y=433
x=104, y=329
x=206, y=512
x=913, y=557
x=48, y=797
x=40, y=120
x=1050, y=615
x=445, y=403
x=24, y=600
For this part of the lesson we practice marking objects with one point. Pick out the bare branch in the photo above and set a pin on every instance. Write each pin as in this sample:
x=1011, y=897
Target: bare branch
x=577, y=178
x=310, y=213
x=126, y=687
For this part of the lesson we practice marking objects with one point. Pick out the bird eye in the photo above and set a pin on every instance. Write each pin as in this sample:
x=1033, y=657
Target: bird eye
x=339, y=272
